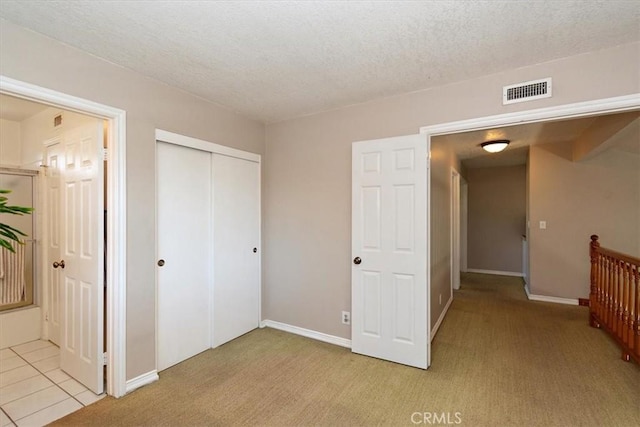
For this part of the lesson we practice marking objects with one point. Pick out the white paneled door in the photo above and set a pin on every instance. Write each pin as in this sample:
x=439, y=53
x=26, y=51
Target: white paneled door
x=82, y=255
x=389, y=250
x=185, y=252
x=53, y=198
x=236, y=295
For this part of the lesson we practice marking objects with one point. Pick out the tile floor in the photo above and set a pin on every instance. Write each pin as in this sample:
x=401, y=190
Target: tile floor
x=33, y=389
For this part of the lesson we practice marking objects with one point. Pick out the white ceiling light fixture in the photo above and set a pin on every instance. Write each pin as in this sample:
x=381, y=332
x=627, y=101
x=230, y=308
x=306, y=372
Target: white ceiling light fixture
x=495, y=146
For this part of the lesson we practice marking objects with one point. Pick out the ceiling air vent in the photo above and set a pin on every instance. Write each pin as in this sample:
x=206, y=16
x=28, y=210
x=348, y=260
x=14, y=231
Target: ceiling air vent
x=527, y=91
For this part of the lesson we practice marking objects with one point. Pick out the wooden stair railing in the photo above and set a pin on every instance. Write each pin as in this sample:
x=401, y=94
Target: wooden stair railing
x=614, y=300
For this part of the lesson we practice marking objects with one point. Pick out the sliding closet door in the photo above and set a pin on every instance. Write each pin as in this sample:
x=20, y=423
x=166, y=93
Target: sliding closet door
x=184, y=239
x=236, y=218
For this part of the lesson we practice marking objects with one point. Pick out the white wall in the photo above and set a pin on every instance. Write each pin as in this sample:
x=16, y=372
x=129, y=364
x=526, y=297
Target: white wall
x=39, y=128
x=10, y=152
x=19, y=326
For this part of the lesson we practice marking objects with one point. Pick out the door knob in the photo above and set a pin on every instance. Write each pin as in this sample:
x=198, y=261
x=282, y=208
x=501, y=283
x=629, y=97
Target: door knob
x=57, y=264
x=357, y=260
x=255, y=250
x=161, y=262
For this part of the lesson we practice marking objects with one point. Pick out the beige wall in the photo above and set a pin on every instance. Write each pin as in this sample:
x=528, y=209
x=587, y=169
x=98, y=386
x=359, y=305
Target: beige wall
x=307, y=175
x=9, y=143
x=307, y=165
x=443, y=161
x=35, y=59
x=577, y=199
x=497, y=218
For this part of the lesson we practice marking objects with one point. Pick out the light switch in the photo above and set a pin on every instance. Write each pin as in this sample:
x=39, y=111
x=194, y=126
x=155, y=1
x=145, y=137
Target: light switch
x=543, y=225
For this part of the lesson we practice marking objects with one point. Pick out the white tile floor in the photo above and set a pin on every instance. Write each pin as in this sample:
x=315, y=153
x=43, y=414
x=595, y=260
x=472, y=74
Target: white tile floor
x=34, y=391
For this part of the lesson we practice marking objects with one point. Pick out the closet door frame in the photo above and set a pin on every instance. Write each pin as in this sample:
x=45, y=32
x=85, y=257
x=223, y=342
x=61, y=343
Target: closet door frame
x=199, y=144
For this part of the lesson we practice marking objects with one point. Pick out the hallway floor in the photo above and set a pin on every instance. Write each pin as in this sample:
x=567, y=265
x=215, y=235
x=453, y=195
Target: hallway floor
x=34, y=391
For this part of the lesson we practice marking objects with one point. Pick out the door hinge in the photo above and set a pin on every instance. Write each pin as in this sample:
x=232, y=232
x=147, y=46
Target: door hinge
x=104, y=359
x=105, y=154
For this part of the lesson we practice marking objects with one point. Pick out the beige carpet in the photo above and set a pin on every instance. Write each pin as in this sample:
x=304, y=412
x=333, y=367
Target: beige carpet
x=498, y=360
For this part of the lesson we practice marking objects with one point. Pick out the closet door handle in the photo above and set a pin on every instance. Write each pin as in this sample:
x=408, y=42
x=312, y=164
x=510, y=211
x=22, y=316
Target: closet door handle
x=160, y=263
x=357, y=260
x=255, y=250
x=57, y=264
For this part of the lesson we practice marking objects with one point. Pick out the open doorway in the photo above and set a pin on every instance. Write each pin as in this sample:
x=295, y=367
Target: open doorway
x=64, y=152
x=575, y=143
x=115, y=220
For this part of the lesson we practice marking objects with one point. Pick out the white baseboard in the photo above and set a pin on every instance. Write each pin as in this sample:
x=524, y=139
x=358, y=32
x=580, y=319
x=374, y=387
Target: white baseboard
x=435, y=328
x=331, y=339
x=496, y=272
x=141, y=380
x=544, y=298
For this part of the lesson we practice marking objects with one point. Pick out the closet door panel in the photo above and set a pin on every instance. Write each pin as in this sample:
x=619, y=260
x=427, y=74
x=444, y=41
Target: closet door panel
x=236, y=219
x=184, y=242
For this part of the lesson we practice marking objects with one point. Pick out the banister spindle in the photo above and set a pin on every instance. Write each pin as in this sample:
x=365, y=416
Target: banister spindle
x=614, y=297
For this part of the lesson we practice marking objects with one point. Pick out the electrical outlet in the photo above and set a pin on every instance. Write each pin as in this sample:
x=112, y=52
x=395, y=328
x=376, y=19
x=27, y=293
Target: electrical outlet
x=346, y=318
x=543, y=225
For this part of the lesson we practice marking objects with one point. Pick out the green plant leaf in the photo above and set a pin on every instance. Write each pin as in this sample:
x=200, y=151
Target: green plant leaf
x=6, y=244
x=9, y=229
x=8, y=232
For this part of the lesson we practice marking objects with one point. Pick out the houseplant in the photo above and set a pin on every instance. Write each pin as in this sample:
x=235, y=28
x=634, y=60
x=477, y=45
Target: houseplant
x=8, y=233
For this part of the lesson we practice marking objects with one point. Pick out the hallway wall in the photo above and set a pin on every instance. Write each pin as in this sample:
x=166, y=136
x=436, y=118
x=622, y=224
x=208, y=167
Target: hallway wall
x=577, y=199
x=497, y=218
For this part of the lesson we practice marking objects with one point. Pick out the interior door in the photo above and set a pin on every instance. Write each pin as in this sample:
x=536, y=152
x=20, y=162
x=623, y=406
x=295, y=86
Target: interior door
x=82, y=256
x=236, y=219
x=184, y=236
x=54, y=159
x=455, y=230
x=389, y=250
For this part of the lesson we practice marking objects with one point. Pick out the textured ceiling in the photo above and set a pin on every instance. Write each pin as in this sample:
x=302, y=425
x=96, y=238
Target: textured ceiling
x=273, y=60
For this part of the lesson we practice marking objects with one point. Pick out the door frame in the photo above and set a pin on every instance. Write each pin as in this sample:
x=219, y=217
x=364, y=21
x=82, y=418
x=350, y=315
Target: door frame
x=455, y=230
x=211, y=147
x=116, y=215
x=560, y=112
x=464, y=220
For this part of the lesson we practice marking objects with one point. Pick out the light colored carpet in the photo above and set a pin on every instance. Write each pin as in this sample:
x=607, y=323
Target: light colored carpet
x=498, y=360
